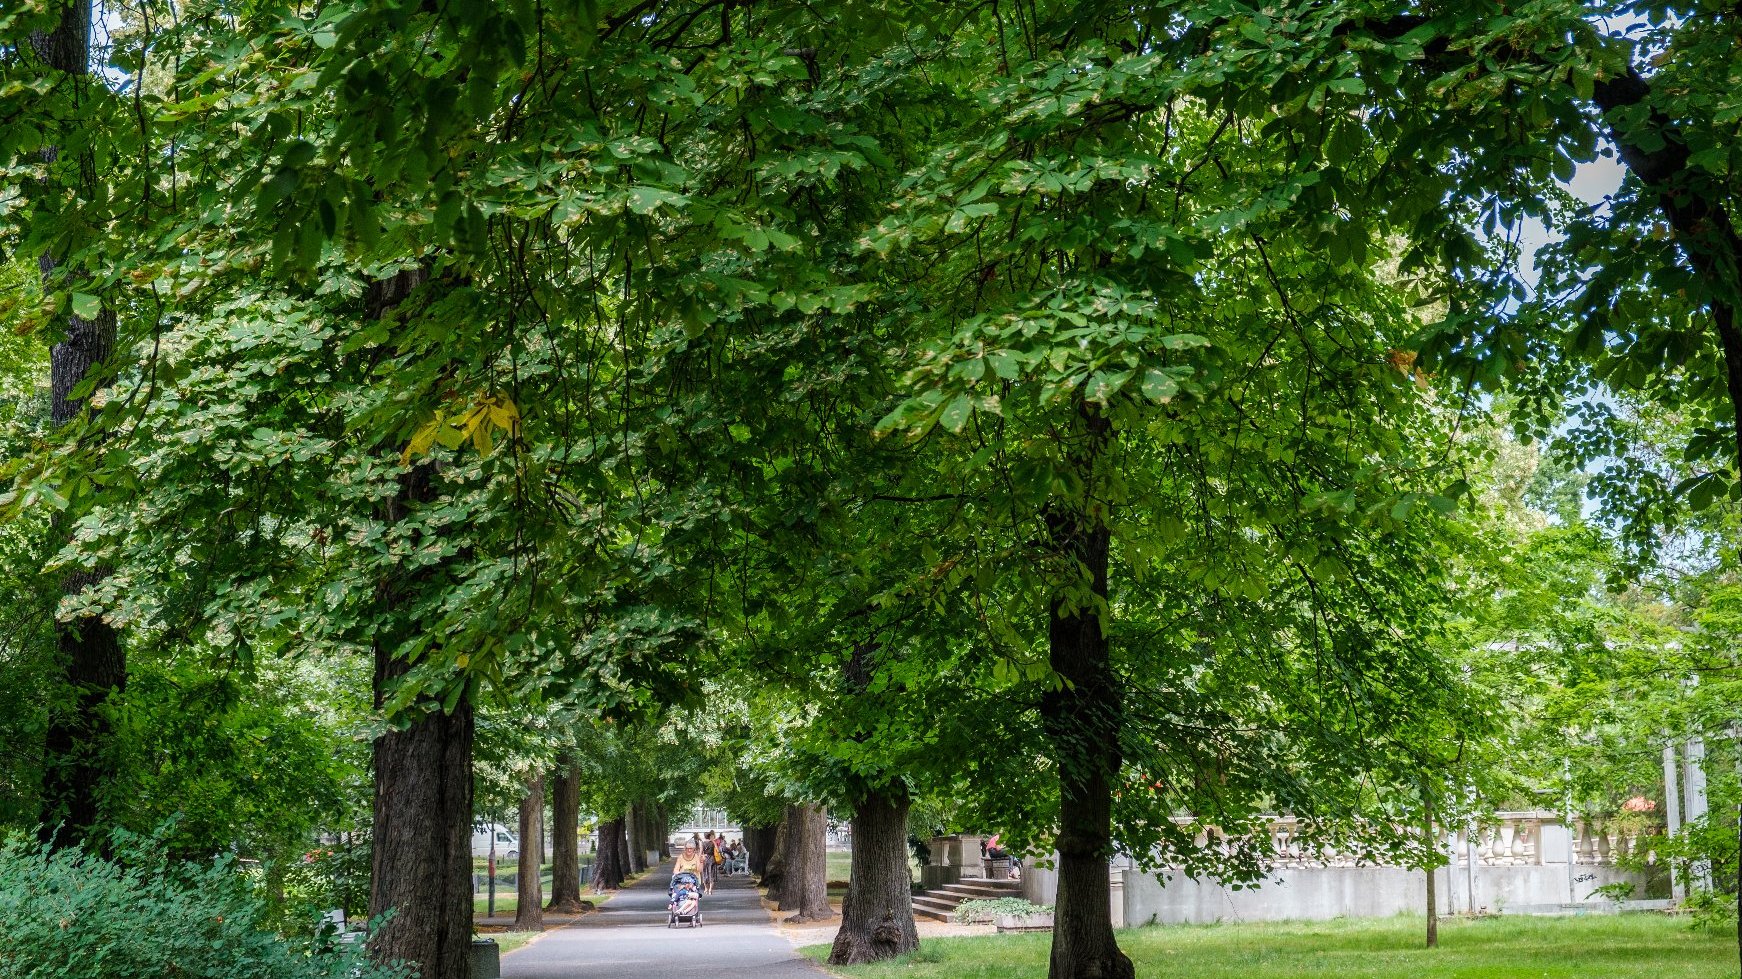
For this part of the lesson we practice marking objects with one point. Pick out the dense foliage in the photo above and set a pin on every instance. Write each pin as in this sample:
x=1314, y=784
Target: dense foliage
x=72, y=915
x=1071, y=418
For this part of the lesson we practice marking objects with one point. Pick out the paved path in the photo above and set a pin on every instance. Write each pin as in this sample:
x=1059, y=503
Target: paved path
x=627, y=937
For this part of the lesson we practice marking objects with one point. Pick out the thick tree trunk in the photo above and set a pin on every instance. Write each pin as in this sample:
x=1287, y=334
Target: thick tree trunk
x=422, y=869
x=77, y=755
x=607, y=870
x=565, y=859
x=785, y=893
x=807, y=878
x=1083, y=720
x=760, y=840
x=636, y=834
x=877, y=917
x=529, y=888
x=774, y=865
x=664, y=820
x=620, y=839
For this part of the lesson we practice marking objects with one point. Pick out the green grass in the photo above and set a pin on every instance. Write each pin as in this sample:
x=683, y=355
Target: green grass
x=840, y=865
x=1637, y=946
x=508, y=941
x=506, y=900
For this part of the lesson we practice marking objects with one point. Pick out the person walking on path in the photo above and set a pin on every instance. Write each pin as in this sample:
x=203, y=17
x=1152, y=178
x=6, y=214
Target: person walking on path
x=710, y=862
x=689, y=862
x=627, y=936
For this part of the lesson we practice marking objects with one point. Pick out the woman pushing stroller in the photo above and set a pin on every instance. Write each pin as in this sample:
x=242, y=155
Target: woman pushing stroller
x=684, y=896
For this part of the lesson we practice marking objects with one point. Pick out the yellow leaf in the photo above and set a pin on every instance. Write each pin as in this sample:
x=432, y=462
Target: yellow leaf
x=420, y=442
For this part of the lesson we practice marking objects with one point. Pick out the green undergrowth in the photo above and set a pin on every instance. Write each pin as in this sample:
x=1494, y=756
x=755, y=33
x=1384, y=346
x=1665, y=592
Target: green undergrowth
x=508, y=941
x=989, y=910
x=1591, y=947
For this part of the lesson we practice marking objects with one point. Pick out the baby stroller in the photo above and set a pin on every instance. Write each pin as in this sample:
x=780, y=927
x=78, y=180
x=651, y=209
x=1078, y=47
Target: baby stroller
x=684, y=901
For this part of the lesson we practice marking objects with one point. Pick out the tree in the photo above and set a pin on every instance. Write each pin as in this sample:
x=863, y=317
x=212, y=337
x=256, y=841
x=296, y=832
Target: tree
x=1150, y=377
x=529, y=890
x=77, y=753
x=565, y=873
x=806, y=880
x=608, y=867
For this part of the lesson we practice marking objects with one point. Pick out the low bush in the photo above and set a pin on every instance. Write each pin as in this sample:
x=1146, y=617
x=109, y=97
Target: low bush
x=983, y=911
x=73, y=915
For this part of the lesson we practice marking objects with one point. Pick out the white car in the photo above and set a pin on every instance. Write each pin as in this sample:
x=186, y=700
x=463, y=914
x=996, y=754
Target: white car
x=507, y=843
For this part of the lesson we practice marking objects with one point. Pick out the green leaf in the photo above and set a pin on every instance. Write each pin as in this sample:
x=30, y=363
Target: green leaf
x=644, y=200
x=1159, y=387
x=957, y=413
x=86, y=306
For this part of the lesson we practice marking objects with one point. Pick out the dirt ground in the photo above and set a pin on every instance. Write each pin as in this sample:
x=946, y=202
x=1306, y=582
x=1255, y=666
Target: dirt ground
x=823, y=932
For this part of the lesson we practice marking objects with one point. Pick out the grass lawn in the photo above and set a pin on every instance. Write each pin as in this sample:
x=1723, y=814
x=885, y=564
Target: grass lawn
x=506, y=900
x=840, y=864
x=508, y=941
x=1591, y=947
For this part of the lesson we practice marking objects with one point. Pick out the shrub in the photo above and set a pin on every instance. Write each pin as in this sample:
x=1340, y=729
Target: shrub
x=73, y=915
x=979, y=912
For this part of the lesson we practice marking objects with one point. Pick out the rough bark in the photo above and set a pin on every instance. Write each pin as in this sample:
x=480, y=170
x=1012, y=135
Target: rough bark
x=607, y=867
x=784, y=893
x=565, y=858
x=774, y=864
x=1083, y=720
x=422, y=866
x=760, y=840
x=77, y=756
x=637, y=836
x=529, y=887
x=807, y=884
x=877, y=916
x=620, y=839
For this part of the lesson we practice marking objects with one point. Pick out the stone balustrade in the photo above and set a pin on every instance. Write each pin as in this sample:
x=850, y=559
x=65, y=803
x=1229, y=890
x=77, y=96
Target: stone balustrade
x=1531, y=862
x=1506, y=839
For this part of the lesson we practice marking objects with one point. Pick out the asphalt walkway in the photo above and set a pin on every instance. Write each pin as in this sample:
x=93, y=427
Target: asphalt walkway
x=628, y=937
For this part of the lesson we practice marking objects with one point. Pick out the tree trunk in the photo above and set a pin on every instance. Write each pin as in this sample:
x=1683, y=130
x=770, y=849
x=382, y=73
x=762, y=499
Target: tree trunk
x=422, y=862
x=422, y=868
x=761, y=841
x=1083, y=720
x=77, y=755
x=620, y=839
x=1433, y=904
x=774, y=871
x=877, y=917
x=565, y=817
x=807, y=879
x=783, y=893
x=529, y=887
x=635, y=834
x=607, y=871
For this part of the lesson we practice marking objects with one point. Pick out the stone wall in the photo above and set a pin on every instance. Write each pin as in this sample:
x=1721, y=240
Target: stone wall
x=1318, y=893
x=1523, y=862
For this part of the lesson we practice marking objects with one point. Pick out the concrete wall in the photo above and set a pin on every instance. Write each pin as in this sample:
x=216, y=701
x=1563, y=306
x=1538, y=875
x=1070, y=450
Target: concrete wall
x=1307, y=893
x=1040, y=885
x=1319, y=893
